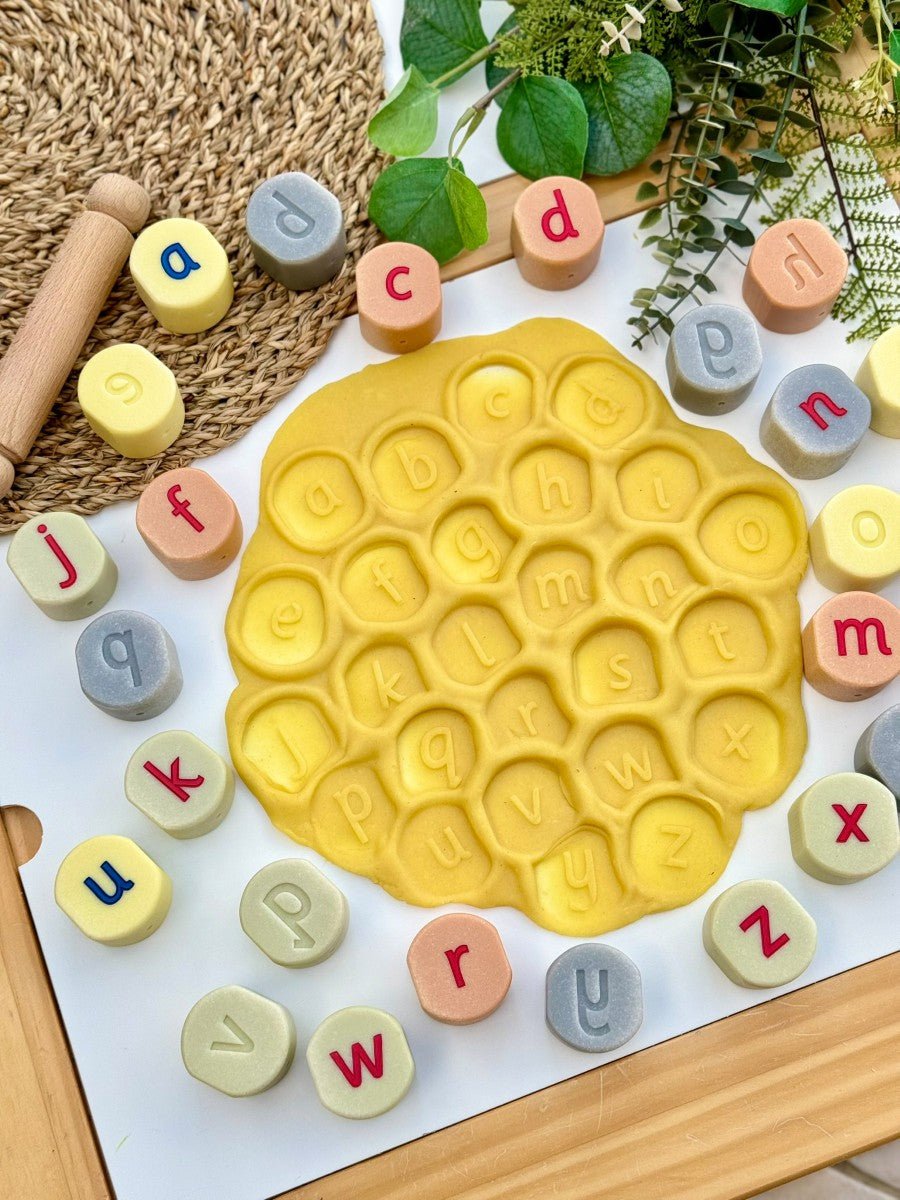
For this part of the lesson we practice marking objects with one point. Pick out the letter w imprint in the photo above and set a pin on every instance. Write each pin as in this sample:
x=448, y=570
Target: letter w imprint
x=359, y=1058
x=761, y=916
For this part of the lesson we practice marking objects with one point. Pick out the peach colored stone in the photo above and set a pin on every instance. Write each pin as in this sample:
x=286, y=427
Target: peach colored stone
x=851, y=646
x=398, y=295
x=795, y=272
x=190, y=523
x=459, y=968
x=557, y=232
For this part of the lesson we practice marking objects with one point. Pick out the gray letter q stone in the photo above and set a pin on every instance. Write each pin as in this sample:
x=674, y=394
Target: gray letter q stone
x=128, y=665
x=296, y=229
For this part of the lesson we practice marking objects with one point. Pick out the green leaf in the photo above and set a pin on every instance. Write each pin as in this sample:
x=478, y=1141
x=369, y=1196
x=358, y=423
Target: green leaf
x=429, y=201
x=627, y=114
x=407, y=121
x=436, y=36
x=784, y=8
x=737, y=232
x=894, y=45
x=543, y=128
x=494, y=74
x=778, y=45
x=647, y=191
x=650, y=218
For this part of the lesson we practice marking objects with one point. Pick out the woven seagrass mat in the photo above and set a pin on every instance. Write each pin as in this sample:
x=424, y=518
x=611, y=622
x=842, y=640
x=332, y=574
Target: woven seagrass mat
x=200, y=102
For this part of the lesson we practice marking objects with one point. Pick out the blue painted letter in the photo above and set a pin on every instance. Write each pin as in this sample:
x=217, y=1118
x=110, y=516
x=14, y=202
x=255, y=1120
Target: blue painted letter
x=121, y=885
x=187, y=263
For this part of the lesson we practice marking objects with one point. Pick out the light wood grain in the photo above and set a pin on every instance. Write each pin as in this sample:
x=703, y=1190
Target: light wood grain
x=47, y=1146
x=788, y=1087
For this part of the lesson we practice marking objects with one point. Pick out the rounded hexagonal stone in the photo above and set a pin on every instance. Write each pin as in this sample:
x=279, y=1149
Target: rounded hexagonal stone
x=713, y=359
x=398, y=297
x=794, y=274
x=594, y=1000
x=557, y=232
x=844, y=828
x=237, y=1041
x=758, y=934
x=814, y=421
x=182, y=274
x=360, y=1062
x=114, y=892
x=296, y=230
x=189, y=522
x=131, y=399
x=851, y=646
x=854, y=541
x=62, y=565
x=878, y=750
x=459, y=968
x=180, y=783
x=879, y=378
x=128, y=665
x=294, y=914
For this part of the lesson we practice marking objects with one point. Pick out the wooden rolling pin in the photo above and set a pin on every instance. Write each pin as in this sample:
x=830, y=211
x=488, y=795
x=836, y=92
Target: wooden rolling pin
x=63, y=313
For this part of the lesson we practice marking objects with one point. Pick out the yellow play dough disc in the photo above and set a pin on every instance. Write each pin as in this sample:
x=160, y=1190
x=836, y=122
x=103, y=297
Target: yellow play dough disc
x=510, y=633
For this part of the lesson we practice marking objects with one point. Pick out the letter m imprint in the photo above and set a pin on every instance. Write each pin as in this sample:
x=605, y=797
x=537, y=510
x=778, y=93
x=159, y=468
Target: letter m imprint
x=761, y=916
x=359, y=1058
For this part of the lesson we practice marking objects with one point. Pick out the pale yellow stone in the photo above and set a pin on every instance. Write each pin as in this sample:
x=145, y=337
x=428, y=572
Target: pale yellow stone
x=759, y=935
x=181, y=273
x=879, y=377
x=180, y=783
x=112, y=890
x=850, y=844
x=294, y=913
x=854, y=542
x=131, y=400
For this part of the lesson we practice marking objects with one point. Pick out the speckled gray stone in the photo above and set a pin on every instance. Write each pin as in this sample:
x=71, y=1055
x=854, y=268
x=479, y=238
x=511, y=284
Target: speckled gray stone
x=296, y=229
x=878, y=750
x=815, y=420
x=594, y=999
x=713, y=359
x=128, y=665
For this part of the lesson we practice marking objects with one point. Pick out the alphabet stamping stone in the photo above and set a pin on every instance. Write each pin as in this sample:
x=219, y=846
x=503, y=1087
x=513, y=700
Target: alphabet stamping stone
x=814, y=421
x=237, y=1041
x=557, y=232
x=360, y=1062
x=844, y=828
x=879, y=378
x=128, y=665
x=851, y=646
x=114, y=892
x=132, y=400
x=459, y=968
x=398, y=295
x=758, y=934
x=190, y=523
x=180, y=783
x=794, y=275
x=63, y=312
x=62, y=565
x=296, y=229
x=854, y=542
x=181, y=273
x=594, y=999
x=294, y=913
x=713, y=359
x=878, y=750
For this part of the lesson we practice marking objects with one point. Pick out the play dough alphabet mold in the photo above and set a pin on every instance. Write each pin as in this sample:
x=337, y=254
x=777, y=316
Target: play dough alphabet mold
x=511, y=633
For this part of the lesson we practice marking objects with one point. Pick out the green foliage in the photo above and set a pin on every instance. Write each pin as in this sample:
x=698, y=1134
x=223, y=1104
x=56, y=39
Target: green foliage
x=627, y=113
x=430, y=201
x=407, y=121
x=543, y=128
x=784, y=8
x=438, y=36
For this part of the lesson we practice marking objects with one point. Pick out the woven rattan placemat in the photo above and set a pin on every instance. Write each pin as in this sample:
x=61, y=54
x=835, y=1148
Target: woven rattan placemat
x=200, y=102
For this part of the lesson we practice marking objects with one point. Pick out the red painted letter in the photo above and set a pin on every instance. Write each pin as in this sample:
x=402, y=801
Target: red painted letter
x=568, y=229
x=181, y=508
x=453, y=957
x=809, y=407
x=389, y=283
x=71, y=573
x=862, y=635
x=761, y=916
x=851, y=823
x=360, y=1059
x=173, y=780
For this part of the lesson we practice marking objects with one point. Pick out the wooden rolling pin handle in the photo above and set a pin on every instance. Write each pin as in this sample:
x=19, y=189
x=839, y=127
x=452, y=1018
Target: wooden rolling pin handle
x=63, y=313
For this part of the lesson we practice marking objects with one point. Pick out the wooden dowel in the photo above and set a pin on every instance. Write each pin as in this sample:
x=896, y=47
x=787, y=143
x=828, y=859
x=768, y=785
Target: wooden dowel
x=63, y=312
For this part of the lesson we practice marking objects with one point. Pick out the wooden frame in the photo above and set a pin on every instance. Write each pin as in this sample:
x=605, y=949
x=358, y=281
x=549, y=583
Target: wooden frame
x=722, y=1113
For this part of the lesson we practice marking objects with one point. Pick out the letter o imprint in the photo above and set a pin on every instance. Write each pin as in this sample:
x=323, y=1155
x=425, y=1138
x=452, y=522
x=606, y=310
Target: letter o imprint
x=752, y=534
x=868, y=522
